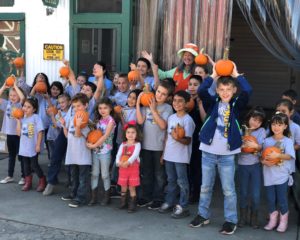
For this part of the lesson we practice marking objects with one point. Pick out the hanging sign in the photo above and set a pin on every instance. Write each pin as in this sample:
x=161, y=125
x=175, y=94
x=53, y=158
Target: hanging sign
x=53, y=52
x=51, y=3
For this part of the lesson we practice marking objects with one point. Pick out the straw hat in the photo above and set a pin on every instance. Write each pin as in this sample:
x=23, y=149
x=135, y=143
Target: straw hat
x=189, y=47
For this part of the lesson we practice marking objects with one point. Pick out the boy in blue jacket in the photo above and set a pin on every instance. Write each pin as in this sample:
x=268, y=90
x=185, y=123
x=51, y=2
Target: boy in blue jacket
x=221, y=140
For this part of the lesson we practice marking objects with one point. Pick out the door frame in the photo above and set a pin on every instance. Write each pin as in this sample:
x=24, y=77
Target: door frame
x=123, y=20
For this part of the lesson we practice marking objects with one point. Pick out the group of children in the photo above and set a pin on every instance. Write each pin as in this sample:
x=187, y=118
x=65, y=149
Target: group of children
x=157, y=152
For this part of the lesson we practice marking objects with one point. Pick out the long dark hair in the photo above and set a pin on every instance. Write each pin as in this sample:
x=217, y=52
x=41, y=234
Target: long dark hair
x=46, y=81
x=34, y=103
x=256, y=112
x=59, y=86
x=105, y=101
x=280, y=118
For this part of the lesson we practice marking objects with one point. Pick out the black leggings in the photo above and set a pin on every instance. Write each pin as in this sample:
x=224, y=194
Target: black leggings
x=32, y=163
x=13, y=142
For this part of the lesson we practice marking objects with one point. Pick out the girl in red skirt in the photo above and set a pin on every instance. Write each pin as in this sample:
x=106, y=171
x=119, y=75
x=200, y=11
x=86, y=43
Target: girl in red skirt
x=128, y=161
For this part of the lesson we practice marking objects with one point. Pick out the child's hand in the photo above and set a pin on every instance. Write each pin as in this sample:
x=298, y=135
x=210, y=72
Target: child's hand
x=148, y=56
x=138, y=101
x=90, y=145
x=273, y=155
x=66, y=62
x=210, y=59
x=79, y=119
x=250, y=144
x=161, y=160
x=132, y=66
x=214, y=74
x=125, y=164
x=46, y=96
x=234, y=73
x=174, y=134
x=38, y=148
x=152, y=105
x=267, y=163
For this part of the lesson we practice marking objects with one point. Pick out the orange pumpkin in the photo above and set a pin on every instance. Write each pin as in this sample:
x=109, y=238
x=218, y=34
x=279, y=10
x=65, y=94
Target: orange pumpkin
x=17, y=113
x=118, y=109
x=146, y=96
x=10, y=81
x=94, y=136
x=224, y=67
x=53, y=110
x=40, y=87
x=180, y=131
x=19, y=62
x=248, y=149
x=124, y=158
x=269, y=150
x=85, y=118
x=190, y=105
x=201, y=59
x=133, y=75
x=64, y=72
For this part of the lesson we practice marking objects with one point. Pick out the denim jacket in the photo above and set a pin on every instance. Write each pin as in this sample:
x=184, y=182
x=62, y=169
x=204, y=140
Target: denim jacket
x=211, y=104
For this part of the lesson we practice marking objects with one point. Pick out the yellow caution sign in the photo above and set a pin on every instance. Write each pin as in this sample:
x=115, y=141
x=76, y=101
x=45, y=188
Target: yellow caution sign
x=53, y=52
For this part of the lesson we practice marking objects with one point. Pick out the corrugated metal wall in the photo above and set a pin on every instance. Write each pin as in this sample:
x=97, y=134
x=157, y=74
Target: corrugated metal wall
x=41, y=29
x=268, y=76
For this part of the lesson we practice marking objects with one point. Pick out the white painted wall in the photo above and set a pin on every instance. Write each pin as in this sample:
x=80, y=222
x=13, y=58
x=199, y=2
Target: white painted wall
x=40, y=29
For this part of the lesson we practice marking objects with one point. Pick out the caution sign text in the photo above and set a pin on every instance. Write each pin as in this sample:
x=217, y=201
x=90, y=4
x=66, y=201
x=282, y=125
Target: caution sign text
x=53, y=52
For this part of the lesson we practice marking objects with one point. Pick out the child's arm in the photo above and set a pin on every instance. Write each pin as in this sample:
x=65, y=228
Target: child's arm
x=185, y=140
x=101, y=140
x=18, y=129
x=19, y=92
x=139, y=116
x=2, y=89
x=100, y=88
x=38, y=142
x=155, y=75
x=119, y=155
x=201, y=110
x=204, y=94
x=156, y=117
x=135, y=154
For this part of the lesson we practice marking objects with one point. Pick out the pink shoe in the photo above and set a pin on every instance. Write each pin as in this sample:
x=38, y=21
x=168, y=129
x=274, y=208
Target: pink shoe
x=272, y=221
x=283, y=224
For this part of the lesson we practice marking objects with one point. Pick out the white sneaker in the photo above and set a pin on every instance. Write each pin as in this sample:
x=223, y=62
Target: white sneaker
x=7, y=180
x=22, y=181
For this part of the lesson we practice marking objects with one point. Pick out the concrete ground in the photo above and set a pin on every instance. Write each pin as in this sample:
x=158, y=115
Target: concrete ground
x=30, y=215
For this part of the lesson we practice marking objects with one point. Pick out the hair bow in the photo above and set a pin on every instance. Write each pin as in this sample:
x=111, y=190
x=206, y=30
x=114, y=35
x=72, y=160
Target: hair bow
x=130, y=123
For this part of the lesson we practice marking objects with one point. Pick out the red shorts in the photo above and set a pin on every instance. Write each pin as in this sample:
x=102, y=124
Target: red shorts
x=130, y=176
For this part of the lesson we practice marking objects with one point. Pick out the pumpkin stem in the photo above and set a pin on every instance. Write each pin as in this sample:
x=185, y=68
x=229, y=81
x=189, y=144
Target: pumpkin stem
x=202, y=50
x=226, y=53
x=22, y=55
x=146, y=88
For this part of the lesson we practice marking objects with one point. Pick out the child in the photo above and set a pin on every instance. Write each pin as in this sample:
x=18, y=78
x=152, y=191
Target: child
x=221, y=140
x=120, y=97
x=198, y=115
x=292, y=96
x=15, y=100
x=59, y=142
x=78, y=156
x=154, y=120
x=278, y=177
x=102, y=149
x=285, y=106
x=81, y=79
x=249, y=168
x=177, y=155
x=128, y=161
x=202, y=71
x=30, y=129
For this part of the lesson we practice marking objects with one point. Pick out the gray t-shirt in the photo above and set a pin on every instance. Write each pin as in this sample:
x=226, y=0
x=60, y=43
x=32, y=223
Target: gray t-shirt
x=276, y=175
x=219, y=144
x=249, y=158
x=30, y=127
x=9, y=124
x=77, y=152
x=174, y=150
x=153, y=136
x=295, y=136
x=120, y=98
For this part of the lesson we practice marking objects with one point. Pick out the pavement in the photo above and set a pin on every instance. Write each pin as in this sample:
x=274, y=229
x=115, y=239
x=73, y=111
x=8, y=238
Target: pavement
x=30, y=215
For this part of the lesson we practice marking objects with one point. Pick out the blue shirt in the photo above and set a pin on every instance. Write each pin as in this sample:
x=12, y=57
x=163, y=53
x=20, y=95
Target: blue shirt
x=107, y=82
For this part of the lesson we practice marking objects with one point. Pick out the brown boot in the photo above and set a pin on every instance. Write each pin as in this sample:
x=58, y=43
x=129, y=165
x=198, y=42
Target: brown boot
x=254, y=220
x=243, y=217
x=106, y=199
x=123, y=203
x=42, y=184
x=93, y=200
x=132, y=204
x=28, y=183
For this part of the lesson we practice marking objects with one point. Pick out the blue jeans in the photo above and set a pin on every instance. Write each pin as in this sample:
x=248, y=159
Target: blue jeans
x=226, y=169
x=278, y=194
x=79, y=182
x=177, y=177
x=57, y=156
x=250, y=178
x=153, y=176
x=101, y=162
